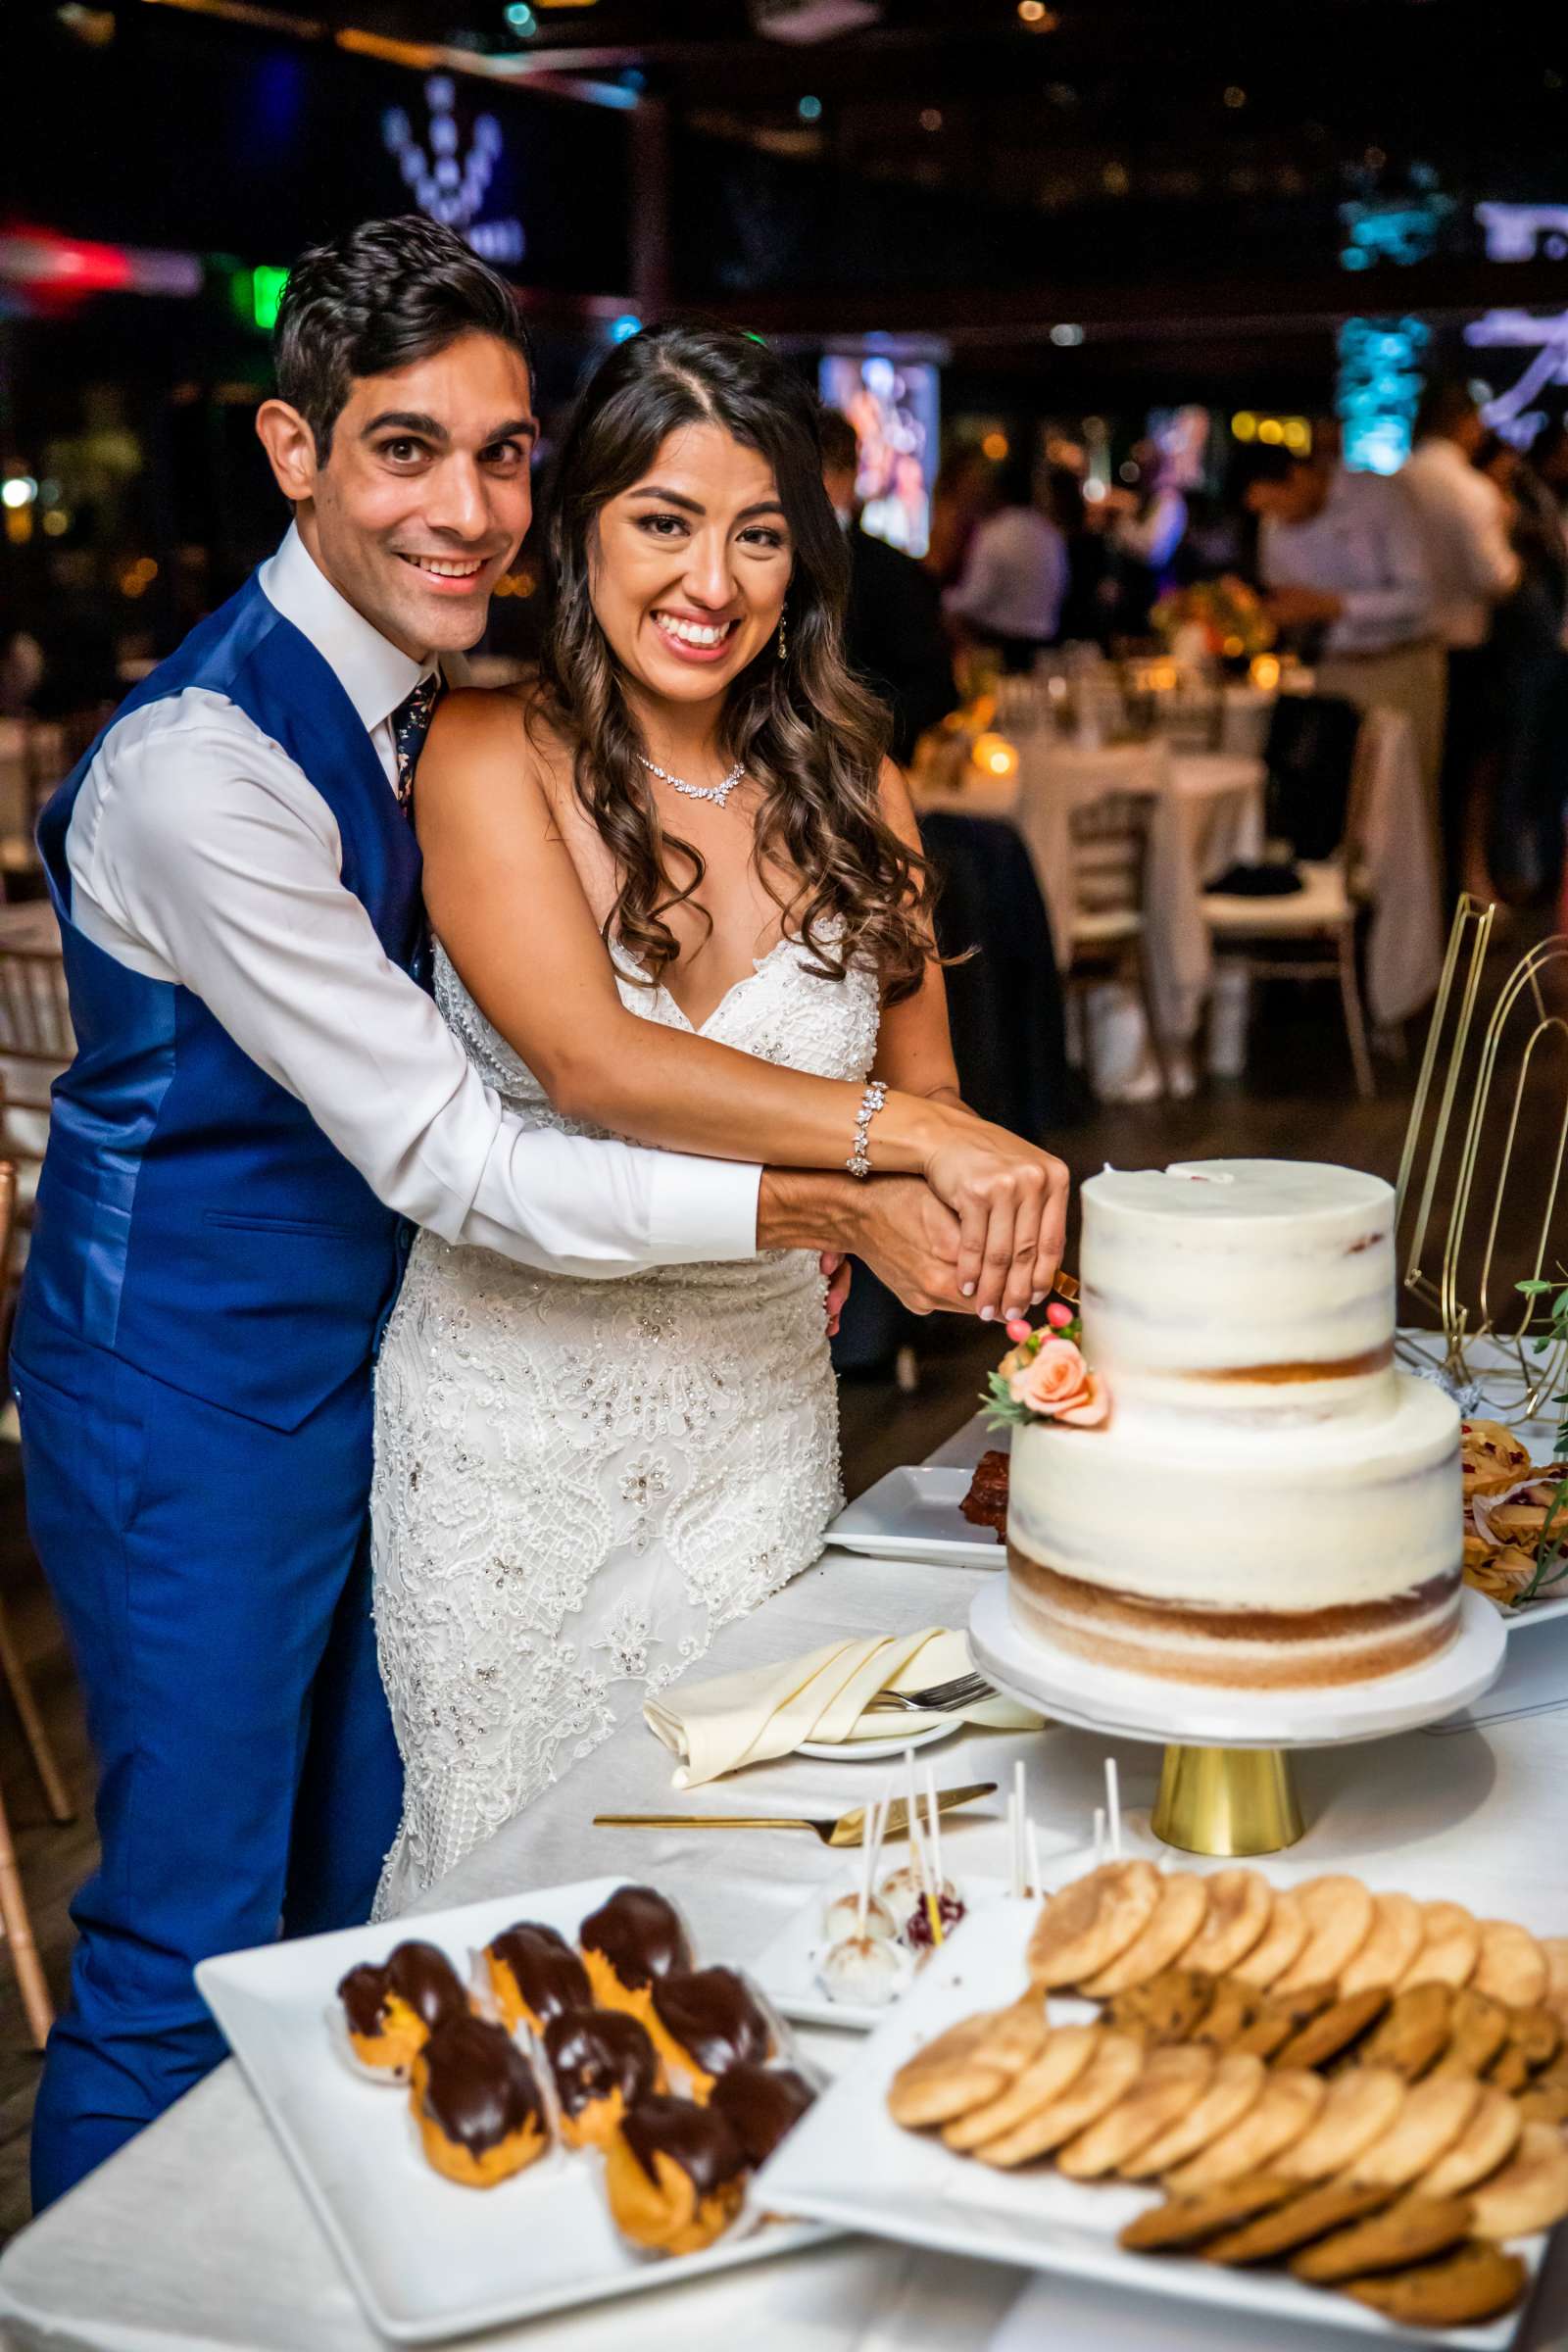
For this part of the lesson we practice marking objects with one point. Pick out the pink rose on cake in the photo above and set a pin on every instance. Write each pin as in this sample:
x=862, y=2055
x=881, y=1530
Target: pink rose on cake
x=1055, y=1385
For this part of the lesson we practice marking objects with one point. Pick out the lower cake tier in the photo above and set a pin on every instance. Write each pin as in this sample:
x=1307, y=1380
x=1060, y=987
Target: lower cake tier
x=1262, y=1561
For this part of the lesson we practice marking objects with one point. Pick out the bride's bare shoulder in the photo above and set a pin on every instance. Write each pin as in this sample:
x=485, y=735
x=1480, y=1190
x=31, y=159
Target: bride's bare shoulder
x=487, y=727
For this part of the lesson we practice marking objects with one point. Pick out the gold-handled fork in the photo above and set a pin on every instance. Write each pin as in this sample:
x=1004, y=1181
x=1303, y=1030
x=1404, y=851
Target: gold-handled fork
x=848, y=1830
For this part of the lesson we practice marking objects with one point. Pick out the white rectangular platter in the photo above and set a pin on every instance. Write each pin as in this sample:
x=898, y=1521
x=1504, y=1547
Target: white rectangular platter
x=913, y=1514
x=848, y=2162
x=426, y=2257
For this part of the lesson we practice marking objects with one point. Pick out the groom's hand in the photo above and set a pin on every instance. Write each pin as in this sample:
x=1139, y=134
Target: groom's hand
x=895, y=1223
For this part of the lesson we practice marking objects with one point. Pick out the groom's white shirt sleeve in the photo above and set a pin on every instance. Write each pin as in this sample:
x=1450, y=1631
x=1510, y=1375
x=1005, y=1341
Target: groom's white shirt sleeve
x=201, y=854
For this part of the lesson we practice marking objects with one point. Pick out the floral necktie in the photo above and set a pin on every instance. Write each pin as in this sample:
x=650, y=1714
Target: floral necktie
x=411, y=723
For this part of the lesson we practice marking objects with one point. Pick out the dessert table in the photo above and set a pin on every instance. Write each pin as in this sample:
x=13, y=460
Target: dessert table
x=196, y=2237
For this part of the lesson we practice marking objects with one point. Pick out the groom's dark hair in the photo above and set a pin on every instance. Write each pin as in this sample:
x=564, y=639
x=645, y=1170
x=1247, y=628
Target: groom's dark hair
x=386, y=294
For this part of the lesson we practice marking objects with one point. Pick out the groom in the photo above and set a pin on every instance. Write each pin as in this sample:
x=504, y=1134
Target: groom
x=265, y=1103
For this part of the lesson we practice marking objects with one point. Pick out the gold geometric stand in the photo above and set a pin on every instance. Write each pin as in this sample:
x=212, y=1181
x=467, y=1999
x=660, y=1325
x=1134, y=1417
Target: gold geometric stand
x=1227, y=1801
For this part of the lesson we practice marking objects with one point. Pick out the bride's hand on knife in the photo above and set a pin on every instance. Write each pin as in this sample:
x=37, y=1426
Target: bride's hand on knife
x=1011, y=1200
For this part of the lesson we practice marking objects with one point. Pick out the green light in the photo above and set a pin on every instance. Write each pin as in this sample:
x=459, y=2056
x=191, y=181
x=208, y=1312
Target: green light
x=267, y=292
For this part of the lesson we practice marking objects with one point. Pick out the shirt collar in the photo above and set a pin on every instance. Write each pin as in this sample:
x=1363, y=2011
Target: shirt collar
x=374, y=674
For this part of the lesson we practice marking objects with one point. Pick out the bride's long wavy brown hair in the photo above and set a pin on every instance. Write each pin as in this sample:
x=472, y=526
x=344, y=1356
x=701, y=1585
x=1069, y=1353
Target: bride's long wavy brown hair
x=809, y=733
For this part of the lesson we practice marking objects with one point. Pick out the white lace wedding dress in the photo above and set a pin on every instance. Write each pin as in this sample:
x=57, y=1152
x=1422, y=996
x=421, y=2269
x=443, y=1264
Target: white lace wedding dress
x=576, y=1483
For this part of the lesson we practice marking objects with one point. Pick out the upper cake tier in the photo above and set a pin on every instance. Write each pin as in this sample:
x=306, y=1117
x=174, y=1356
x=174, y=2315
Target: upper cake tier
x=1255, y=1288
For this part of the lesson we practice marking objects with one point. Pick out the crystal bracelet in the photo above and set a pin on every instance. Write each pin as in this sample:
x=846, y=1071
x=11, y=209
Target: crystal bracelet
x=871, y=1102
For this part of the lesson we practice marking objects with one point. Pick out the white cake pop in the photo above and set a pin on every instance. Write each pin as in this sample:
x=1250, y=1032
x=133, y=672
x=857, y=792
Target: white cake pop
x=842, y=1918
x=867, y=1970
x=903, y=1889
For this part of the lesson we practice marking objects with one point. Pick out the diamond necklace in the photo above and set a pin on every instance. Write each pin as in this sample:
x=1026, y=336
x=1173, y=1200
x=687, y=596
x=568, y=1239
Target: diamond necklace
x=719, y=792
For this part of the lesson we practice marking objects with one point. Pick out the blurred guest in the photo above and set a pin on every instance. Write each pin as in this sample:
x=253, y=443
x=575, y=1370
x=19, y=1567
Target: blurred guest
x=1524, y=838
x=1214, y=542
x=962, y=496
x=901, y=514
x=1085, y=607
x=1465, y=522
x=1343, y=562
x=1015, y=576
x=893, y=626
x=1149, y=526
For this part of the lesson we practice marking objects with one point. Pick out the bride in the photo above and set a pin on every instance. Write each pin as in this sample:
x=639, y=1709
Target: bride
x=677, y=894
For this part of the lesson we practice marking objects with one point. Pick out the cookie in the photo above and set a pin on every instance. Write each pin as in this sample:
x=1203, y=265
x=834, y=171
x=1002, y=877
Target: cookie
x=1235, y=2084
x=1279, y=1946
x=1531, y=2193
x=1534, y=2039
x=1285, y=2112
x=1544, y=2103
x=1487, y=2142
x=1477, y=2284
x=1334, y=2028
x=1280, y=2021
x=1395, y=1939
x=1084, y=1928
x=1410, y=2231
x=1169, y=2007
x=1478, y=2031
x=1360, y=2106
x=1511, y=1966
x=1426, y=2126
x=1554, y=1951
x=1066, y=2053
x=1113, y=2069
x=1170, y=2080
x=1239, y=1903
x=1188, y=2221
x=1413, y=2033
x=1235, y=2007
x=1175, y=1921
x=1451, y=1946
x=1285, y=2227
x=1339, y=1919
x=949, y=2074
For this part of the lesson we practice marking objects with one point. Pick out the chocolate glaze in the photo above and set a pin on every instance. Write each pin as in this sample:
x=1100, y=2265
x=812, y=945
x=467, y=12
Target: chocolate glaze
x=761, y=2104
x=639, y=1934
x=417, y=1973
x=478, y=2087
x=697, y=2138
x=710, y=2013
x=545, y=1969
x=595, y=2052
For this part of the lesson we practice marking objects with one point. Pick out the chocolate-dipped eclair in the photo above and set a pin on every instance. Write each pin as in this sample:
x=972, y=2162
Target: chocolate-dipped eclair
x=762, y=2105
x=392, y=2007
x=628, y=1942
x=706, y=2021
x=675, y=2176
x=535, y=1976
x=477, y=2104
x=603, y=2062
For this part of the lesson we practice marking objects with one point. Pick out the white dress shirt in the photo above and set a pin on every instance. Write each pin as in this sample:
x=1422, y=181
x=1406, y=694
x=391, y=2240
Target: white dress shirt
x=200, y=852
x=1364, y=546
x=1014, y=577
x=1465, y=524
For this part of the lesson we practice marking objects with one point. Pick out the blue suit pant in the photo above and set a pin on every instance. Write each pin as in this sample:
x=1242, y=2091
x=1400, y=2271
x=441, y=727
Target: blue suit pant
x=213, y=1575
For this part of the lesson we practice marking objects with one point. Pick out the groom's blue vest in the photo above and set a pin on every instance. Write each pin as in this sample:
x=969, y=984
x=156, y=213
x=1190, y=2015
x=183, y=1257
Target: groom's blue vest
x=193, y=1218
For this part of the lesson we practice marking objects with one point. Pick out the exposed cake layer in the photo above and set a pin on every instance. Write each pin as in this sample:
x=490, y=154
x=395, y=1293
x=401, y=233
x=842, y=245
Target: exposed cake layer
x=1290, y=1521
x=1260, y=1289
x=1259, y=1649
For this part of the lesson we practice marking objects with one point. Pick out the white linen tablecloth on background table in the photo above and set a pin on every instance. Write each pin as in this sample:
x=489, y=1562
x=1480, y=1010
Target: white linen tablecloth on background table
x=196, y=2238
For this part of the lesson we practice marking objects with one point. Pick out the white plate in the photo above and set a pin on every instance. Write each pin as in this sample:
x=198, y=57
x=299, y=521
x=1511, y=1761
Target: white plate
x=787, y=1970
x=1536, y=1612
x=847, y=2162
x=912, y=1514
x=877, y=1752
x=426, y=2257
x=1141, y=1706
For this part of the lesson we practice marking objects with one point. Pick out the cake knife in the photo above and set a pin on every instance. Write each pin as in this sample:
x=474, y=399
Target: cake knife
x=848, y=1830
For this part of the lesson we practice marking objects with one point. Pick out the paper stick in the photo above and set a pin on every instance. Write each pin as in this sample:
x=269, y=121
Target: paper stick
x=935, y=1820
x=867, y=1864
x=1113, y=1806
x=912, y=1800
x=1018, y=1818
x=1036, y=1881
x=1099, y=1834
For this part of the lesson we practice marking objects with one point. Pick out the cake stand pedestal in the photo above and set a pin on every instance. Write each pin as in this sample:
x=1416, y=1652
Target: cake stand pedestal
x=1226, y=1785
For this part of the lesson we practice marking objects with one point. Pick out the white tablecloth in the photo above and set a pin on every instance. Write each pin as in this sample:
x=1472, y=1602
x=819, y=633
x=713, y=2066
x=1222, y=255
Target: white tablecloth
x=196, y=2239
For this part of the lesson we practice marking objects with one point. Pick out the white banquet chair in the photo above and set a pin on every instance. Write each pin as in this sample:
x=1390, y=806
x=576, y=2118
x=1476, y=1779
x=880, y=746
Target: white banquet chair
x=1108, y=837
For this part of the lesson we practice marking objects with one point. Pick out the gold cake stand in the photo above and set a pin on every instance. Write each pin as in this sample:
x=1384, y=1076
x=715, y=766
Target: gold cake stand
x=1227, y=1801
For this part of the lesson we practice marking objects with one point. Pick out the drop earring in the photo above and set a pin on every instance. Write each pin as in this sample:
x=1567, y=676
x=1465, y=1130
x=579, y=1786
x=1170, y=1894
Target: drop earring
x=783, y=640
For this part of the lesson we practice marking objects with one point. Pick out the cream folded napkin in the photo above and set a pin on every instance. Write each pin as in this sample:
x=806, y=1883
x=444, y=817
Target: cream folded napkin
x=713, y=1727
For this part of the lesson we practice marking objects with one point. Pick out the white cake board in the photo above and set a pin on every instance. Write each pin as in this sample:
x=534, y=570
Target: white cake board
x=1141, y=1706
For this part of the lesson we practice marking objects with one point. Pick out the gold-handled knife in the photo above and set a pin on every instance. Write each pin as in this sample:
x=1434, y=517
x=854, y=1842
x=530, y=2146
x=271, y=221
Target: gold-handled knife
x=848, y=1830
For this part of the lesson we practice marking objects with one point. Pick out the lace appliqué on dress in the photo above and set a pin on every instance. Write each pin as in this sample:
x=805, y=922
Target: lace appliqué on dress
x=577, y=1483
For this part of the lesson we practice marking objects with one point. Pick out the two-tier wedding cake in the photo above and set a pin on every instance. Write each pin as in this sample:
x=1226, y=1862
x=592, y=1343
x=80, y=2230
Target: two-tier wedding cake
x=1267, y=1501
